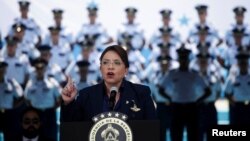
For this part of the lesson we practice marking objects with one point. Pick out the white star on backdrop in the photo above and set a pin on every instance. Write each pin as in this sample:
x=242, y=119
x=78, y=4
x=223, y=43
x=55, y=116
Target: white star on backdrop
x=184, y=20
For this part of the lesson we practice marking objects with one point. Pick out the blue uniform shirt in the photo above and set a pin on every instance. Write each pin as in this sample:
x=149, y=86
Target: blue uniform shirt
x=184, y=86
x=9, y=91
x=239, y=87
x=42, y=94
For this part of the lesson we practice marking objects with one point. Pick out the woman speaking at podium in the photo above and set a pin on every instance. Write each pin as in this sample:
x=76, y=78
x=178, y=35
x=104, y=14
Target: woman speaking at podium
x=114, y=93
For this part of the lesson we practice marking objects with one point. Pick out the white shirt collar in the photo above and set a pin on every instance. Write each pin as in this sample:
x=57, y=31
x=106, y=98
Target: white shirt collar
x=33, y=139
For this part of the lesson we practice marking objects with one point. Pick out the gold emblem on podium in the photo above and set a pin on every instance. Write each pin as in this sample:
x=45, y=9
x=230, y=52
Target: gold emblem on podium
x=110, y=126
x=110, y=133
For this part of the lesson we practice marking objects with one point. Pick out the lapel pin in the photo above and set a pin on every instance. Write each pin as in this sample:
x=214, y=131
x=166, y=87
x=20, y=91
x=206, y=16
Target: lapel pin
x=135, y=108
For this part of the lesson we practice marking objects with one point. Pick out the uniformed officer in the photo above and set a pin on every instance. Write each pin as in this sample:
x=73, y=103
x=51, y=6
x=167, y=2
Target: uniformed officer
x=234, y=69
x=126, y=40
x=212, y=55
x=137, y=63
x=186, y=88
x=239, y=41
x=10, y=93
x=131, y=37
x=60, y=50
x=89, y=54
x=132, y=31
x=44, y=94
x=207, y=110
x=163, y=46
x=164, y=110
x=239, y=16
x=33, y=30
x=83, y=73
x=94, y=30
x=166, y=24
x=153, y=68
x=203, y=41
x=238, y=38
x=204, y=48
x=24, y=46
x=52, y=70
x=202, y=14
x=65, y=33
x=238, y=94
x=18, y=65
x=239, y=24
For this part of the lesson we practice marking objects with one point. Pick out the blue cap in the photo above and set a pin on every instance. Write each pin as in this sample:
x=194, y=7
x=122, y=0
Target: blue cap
x=90, y=37
x=39, y=63
x=203, y=55
x=24, y=4
x=207, y=45
x=239, y=10
x=202, y=29
x=54, y=29
x=44, y=48
x=166, y=12
x=165, y=31
x=164, y=59
x=127, y=36
x=83, y=63
x=162, y=45
x=92, y=8
x=18, y=27
x=11, y=40
x=131, y=10
x=201, y=8
x=57, y=11
x=87, y=43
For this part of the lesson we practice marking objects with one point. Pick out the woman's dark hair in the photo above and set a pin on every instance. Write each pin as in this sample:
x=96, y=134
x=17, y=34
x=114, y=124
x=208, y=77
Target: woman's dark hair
x=120, y=51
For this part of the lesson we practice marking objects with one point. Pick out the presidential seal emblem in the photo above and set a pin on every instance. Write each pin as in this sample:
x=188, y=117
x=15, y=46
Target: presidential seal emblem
x=110, y=126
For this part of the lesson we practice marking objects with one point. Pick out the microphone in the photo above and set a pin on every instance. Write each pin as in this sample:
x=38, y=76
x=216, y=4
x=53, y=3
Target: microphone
x=113, y=92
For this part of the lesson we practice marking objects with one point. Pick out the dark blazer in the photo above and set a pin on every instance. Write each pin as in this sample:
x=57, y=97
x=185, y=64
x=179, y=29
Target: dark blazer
x=90, y=100
x=41, y=138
